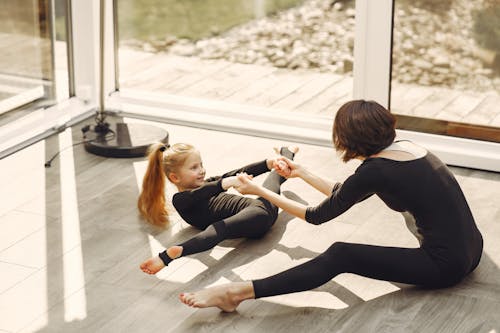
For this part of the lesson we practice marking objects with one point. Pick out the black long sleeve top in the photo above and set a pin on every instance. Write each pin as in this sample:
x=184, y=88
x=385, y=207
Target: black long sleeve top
x=424, y=187
x=209, y=203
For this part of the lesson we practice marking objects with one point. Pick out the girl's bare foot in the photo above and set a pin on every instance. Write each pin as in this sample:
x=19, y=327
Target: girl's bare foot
x=293, y=149
x=152, y=265
x=274, y=163
x=175, y=251
x=226, y=297
x=155, y=264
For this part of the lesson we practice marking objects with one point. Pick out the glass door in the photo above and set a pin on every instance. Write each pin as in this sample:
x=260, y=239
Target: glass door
x=27, y=61
x=446, y=67
x=283, y=58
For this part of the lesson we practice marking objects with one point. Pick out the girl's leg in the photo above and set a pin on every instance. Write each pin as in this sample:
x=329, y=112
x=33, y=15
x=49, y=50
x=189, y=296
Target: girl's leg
x=250, y=222
x=273, y=181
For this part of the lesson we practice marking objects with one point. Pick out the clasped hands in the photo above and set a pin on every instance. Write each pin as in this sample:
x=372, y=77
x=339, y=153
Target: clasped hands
x=245, y=185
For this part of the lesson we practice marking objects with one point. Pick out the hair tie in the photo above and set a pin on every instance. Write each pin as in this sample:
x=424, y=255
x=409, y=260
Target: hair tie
x=164, y=147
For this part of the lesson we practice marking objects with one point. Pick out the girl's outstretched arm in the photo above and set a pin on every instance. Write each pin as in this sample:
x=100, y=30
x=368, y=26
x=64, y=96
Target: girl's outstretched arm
x=249, y=187
x=323, y=185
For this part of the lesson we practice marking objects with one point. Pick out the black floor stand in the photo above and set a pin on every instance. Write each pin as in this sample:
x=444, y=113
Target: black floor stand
x=114, y=138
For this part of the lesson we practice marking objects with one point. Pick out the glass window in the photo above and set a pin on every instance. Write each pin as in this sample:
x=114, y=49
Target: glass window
x=281, y=54
x=446, y=67
x=28, y=64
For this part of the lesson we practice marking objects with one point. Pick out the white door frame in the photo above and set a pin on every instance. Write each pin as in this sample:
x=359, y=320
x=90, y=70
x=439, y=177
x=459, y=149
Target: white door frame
x=372, y=68
x=372, y=63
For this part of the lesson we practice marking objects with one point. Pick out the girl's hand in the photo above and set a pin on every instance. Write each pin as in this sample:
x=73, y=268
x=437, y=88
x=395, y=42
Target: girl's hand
x=247, y=186
x=230, y=182
x=286, y=168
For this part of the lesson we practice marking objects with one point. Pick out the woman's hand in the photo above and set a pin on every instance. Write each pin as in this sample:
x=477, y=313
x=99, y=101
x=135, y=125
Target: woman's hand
x=286, y=168
x=247, y=186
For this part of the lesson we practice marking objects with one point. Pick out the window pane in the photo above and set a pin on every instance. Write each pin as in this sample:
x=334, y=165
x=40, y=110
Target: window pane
x=27, y=71
x=446, y=64
x=289, y=55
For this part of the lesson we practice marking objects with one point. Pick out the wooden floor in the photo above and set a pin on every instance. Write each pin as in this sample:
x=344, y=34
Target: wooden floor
x=307, y=92
x=71, y=243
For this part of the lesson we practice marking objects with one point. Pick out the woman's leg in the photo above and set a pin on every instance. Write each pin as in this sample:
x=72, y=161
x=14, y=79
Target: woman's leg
x=411, y=266
x=404, y=265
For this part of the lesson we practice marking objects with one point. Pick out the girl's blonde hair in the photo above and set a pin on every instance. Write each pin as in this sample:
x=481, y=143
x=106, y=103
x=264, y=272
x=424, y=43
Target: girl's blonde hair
x=162, y=160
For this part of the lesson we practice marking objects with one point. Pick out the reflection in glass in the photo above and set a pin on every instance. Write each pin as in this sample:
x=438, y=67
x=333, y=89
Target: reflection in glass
x=26, y=54
x=287, y=54
x=446, y=63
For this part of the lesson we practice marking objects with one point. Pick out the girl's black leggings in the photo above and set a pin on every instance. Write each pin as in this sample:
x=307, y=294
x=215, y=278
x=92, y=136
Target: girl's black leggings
x=252, y=221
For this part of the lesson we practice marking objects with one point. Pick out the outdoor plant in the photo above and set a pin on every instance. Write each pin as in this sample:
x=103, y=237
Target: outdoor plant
x=487, y=26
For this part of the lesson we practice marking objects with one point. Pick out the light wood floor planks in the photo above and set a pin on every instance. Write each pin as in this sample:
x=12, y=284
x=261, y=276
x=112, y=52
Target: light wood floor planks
x=71, y=243
x=293, y=90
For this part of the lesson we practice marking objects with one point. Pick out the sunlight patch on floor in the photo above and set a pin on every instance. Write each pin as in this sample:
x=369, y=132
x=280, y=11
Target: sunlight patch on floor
x=140, y=170
x=182, y=270
x=315, y=299
x=23, y=289
x=365, y=288
x=220, y=251
x=269, y=264
x=220, y=281
x=75, y=308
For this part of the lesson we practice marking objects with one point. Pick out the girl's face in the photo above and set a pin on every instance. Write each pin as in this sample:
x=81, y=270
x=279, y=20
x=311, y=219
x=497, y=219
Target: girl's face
x=191, y=174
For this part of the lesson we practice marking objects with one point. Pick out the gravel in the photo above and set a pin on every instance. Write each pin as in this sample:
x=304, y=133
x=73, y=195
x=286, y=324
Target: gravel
x=432, y=46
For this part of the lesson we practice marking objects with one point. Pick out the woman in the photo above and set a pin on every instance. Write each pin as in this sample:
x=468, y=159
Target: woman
x=408, y=179
x=203, y=203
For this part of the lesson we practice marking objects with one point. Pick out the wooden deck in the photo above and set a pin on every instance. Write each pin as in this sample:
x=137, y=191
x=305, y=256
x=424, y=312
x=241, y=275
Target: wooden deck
x=295, y=91
x=71, y=243
x=302, y=91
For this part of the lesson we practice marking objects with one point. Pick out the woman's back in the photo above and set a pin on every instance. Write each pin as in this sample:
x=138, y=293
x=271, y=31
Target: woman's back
x=426, y=188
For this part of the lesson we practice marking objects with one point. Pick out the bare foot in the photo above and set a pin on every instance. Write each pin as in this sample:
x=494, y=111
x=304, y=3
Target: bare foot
x=175, y=251
x=293, y=149
x=155, y=264
x=152, y=265
x=226, y=297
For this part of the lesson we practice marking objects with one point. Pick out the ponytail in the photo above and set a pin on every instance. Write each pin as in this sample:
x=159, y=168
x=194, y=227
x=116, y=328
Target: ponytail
x=161, y=162
x=151, y=201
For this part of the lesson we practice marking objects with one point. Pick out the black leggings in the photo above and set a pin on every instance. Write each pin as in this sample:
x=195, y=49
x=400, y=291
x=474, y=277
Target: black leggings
x=404, y=265
x=252, y=221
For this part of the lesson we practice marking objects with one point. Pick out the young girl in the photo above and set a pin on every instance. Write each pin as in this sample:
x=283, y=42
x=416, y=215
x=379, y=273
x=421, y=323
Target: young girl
x=203, y=203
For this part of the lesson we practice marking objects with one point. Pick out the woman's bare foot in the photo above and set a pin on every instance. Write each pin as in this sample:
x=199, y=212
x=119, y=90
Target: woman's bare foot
x=155, y=264
x=226, y=297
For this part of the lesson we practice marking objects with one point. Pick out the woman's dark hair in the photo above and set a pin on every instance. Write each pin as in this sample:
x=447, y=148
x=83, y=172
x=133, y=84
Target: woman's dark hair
x=362, y=128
